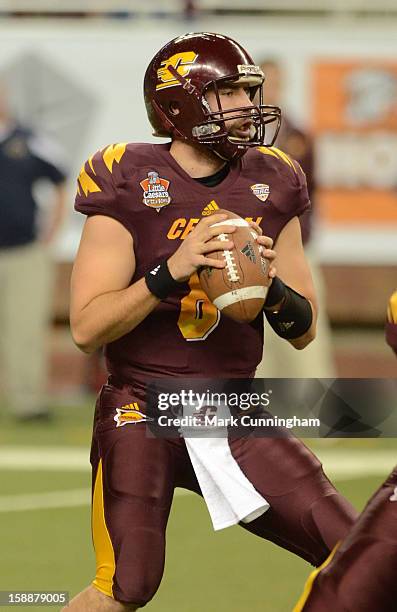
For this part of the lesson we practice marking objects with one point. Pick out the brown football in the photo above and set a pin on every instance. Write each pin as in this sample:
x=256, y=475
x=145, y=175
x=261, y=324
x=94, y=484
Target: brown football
x=238, y=290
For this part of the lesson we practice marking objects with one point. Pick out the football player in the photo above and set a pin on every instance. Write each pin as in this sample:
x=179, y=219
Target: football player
x=135, y=290
x=391, y=322
x=360, y=573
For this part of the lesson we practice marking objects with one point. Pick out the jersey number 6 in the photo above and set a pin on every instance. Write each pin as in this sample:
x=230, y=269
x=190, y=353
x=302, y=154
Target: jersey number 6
x=198, y=316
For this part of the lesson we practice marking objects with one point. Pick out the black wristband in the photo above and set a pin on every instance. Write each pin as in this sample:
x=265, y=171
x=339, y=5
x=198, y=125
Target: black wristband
x=294, y=317
x=276, y=293
x=160, y=282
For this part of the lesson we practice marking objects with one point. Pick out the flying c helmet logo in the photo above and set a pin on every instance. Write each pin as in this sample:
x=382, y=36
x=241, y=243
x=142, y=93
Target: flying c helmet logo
x=181, y=62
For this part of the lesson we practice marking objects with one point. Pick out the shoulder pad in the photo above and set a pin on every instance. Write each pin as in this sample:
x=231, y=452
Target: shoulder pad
x=281, y=156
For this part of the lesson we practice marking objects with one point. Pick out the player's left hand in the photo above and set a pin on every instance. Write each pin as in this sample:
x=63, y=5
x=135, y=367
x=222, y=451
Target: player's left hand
x=267, y=248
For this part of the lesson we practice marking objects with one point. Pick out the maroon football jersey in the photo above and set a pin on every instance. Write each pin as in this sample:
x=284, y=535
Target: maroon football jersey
x=144, y=188
x=391, y=323
x=300, y=146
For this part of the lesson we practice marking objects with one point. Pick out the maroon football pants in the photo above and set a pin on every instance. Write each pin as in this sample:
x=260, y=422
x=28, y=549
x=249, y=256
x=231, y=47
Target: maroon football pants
x=134, y=477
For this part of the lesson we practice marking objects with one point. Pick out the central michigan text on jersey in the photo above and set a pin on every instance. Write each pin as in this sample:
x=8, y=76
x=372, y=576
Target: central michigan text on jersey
x=185, y=335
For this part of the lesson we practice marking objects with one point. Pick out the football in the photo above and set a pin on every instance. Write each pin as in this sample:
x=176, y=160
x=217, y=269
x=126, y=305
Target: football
x=238, y=290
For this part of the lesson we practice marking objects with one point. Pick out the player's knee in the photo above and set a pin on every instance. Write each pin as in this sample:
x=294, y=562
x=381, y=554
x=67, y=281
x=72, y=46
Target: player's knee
x=138, y=591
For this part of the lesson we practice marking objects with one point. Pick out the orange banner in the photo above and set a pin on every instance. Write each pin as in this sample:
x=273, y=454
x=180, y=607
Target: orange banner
x=355, y=125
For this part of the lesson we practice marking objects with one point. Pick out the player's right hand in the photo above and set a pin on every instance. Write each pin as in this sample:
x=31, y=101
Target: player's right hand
x=192, y=254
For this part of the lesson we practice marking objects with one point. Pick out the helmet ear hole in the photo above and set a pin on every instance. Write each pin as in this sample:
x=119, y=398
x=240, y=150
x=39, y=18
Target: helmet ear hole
x=174, y=108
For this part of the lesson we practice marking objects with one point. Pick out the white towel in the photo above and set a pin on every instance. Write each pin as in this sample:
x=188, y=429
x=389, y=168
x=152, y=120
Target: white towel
x=229, y=495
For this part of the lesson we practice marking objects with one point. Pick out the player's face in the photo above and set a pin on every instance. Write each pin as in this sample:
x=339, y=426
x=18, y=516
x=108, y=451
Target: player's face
x=232, y=96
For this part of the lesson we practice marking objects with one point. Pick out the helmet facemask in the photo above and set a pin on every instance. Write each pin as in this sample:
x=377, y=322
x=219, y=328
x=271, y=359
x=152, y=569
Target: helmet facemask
x=213, y=132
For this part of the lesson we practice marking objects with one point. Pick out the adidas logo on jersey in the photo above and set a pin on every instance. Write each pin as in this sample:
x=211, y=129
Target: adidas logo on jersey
x=155, y=270
x=249, y=252
x=210, y=208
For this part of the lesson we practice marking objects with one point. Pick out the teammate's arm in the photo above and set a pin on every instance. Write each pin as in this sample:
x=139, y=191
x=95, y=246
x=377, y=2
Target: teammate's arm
x=294, y=271
x=104, y=306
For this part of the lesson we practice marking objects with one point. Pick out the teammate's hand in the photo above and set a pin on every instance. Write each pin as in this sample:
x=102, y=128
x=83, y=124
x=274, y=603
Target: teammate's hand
x=266, y=244
x=192, y=254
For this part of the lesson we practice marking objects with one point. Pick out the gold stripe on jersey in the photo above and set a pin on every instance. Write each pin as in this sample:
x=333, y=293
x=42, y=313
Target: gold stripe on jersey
x=210, y=208
x=284, y=157
x=91, y=165
x=392, y=309
x=299, y=607
x=278, y=154
x=87, y=184
x=268, y=151
x=105, y=560
x=114, y=153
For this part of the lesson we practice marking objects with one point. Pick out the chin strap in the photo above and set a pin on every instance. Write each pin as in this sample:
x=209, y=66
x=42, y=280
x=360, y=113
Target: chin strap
x=186, y=84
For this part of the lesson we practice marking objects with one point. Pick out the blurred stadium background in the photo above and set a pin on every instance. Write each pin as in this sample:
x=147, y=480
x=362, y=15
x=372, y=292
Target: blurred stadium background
x=75, y=69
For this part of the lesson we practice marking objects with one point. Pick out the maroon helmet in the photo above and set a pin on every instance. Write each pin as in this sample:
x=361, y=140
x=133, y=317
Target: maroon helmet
x=177, y=79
